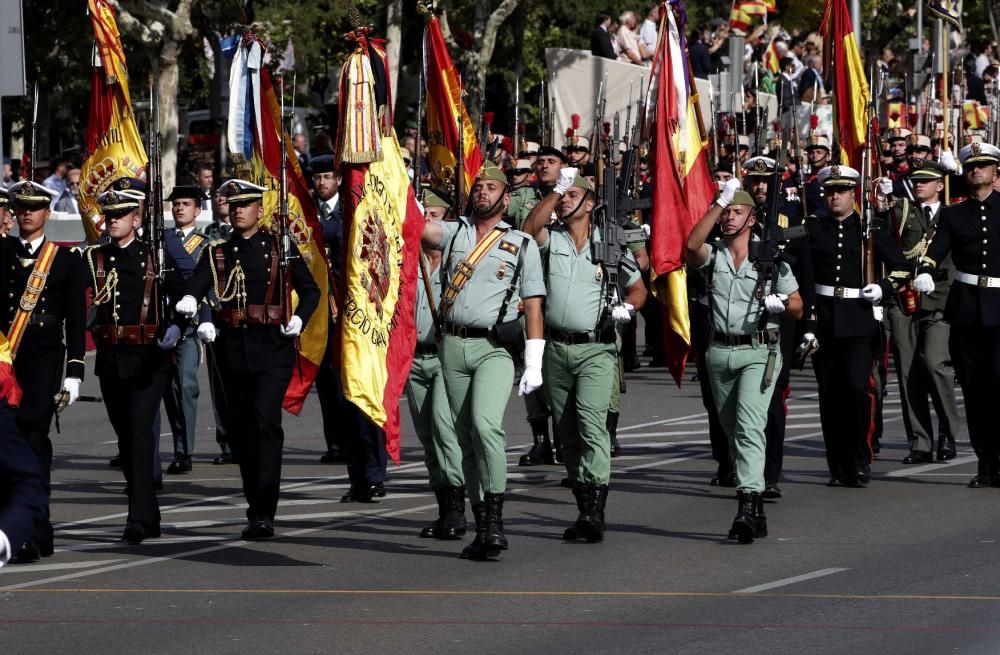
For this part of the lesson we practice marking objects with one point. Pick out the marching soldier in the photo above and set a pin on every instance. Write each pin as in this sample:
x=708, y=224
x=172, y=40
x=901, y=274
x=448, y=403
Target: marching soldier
x=744, y=355
x=132, y=364
x=255, y=345
x=46, y=292
x=582, y=354
x=846, y=325
x=181, y=400
x=218, y=229
x=491, y=269
x=970, y=233
x=920, y=334
x=818, y=154
x=432, y=420
x=522, y=194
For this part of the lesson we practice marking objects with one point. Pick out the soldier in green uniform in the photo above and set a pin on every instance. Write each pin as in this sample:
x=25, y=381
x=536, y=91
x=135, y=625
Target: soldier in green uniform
x=744, y=354
x=432, y=420
x=181, y=398
x=920, y=340
x=491, y=269
x=523, y=196
x=581, y=313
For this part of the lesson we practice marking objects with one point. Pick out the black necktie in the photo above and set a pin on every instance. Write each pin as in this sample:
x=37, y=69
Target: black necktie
x=928, y=214
x=180, y=234
x=324, y=211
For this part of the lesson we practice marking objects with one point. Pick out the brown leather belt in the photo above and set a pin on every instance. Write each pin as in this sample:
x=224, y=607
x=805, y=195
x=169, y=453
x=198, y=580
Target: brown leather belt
x=132, y=335
x=250, y=315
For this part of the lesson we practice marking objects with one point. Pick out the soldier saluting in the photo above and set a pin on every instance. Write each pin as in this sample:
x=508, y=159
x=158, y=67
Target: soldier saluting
x=46, y=291
x=256, y=352
x=970, y=233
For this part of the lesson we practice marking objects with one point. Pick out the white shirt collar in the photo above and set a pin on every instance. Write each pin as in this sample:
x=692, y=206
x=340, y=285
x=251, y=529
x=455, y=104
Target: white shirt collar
x=32, y=246
x=933, y=205
x=186, y=230
x=332, y=202
x=123, y=246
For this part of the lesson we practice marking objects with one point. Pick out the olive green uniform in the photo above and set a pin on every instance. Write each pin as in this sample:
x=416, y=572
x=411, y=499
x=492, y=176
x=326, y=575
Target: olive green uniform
x=432, y=420
x=580, y=354
x=737, y=370
x=522, y=201
x=478, y=371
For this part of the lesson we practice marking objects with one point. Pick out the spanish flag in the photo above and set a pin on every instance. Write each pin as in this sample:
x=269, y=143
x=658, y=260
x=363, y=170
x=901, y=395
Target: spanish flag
x=254, y=137
x=114, y=148
x=683, y=190
x=444, y=106
x=771, y=60
x=847, y=83
x=739, y=19
x=383, y=225
x=976, y=116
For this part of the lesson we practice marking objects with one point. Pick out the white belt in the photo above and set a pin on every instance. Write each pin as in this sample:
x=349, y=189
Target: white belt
x=981, y=281
x=837, y=292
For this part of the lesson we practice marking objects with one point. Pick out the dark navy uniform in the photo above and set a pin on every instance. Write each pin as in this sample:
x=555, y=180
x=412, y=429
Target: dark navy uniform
x=22, y=496
x=848, y=332
x=255, y=359
x=970, y=232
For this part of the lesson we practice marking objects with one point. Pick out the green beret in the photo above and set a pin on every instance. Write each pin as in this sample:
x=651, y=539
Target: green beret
x=743, y=198
x=432, y=199
x=491, y=171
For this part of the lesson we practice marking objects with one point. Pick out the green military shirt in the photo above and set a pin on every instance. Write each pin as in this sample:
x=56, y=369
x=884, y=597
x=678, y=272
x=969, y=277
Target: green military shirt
x=216, y=230
x=422, y=309
x=731, y=295
x=576, y=286
x=478, y=303
x=915, y=233
x=522, y=201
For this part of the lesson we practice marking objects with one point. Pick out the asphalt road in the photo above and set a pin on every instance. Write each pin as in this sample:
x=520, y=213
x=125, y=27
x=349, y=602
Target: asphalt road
x=909, y=565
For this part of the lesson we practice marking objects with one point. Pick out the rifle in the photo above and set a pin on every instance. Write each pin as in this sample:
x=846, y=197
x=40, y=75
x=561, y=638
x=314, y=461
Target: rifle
x=285, y=255
x=798, y=160
x=460, y=168
x=34, y=138
x=613, y=212
x=515, y=137
x=541, y=114
x=595, y=139
x=153, y=220
x=417, y=156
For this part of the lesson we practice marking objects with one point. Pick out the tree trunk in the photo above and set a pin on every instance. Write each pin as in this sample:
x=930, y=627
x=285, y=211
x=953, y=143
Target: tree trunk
x=167, y=82
x=394, y=42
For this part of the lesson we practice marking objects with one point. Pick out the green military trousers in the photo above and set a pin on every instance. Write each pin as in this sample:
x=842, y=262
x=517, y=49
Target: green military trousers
x=736, y=374
x=578, y=386
x=478, y=376
x=434, y=422
x=616, y=381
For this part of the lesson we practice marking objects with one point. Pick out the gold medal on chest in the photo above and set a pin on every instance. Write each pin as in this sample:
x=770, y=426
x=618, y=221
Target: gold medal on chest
x=502, y=271
x=598, y=272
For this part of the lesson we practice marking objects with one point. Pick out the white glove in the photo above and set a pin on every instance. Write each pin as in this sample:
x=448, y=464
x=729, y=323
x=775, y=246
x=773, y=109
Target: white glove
x=566, y=177
x=294, y=327
x=532, y=378
x=622, y=313
x=170, y=338
x=187, y=306
x=776, y=303
x=727, y=192
x=72, y=386
x=5, y=553
x=807, y=337
x=948, y=161
x=872, y=293
x=885, y=186
x=206, y=332
x=924, y=283
x=645, y=229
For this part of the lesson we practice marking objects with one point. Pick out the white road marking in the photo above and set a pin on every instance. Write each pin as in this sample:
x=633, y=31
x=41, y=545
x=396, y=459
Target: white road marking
x=35, y=568
x=935, y=467
x=787, y=581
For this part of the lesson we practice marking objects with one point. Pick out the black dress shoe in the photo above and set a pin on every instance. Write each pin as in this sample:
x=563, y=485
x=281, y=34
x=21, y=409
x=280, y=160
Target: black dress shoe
x=223, y=458
x=378, y=490
x=771, y=491
x=360, y=494
x=725, y=476
x=258, y=529
x=917, y=457
x=979, y=482
x=332, y=457
x=632, y=366
x=46, y=549
x=28, y=553
x=179, y=466
x=835, y=482
x=135, y=534
x=946, y=448
x=115, y=462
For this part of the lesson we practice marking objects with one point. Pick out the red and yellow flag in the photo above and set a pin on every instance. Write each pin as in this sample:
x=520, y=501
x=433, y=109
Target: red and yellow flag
x=382, y=228
x=771, y=59
x=976, y=115
x=257, y=158
x=683, y=190
x=842, y=61
x=114, y=148
x=444, y=106
x=739, y=18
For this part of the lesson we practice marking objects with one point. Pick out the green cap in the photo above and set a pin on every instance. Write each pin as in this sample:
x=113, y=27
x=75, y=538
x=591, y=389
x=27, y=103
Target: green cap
x=926, y=169
x=583, y=183
x=491, y=171
x=432, y=199
x=743, y=198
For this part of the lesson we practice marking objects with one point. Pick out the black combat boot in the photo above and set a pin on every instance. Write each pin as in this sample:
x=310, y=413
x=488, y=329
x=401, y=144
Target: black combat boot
x=946, y=447
x=453, y=517
x=759, y=519
x=612, y=422
x=580, y=493
x=433, y=531
x=557, y=444
x=541, y=451
x=744, y=524
x=476, y=550
x=494, y=540
x=591, y=527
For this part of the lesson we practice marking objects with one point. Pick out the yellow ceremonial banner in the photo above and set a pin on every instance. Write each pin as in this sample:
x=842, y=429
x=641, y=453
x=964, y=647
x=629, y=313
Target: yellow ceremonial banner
x=114, y=148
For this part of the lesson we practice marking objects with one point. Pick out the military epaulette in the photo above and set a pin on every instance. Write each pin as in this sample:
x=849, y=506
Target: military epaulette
x=510, y=247
x=782, y=221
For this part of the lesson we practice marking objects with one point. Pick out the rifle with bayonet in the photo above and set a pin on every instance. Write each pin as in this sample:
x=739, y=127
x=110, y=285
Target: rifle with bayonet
x=34, y=137
x=285, y=252
x=516, y=135
x=153, y=220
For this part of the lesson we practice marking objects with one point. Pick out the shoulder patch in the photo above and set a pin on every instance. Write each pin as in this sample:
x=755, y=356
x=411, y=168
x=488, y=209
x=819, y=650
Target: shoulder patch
x=782, y=221
x=510, y=247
